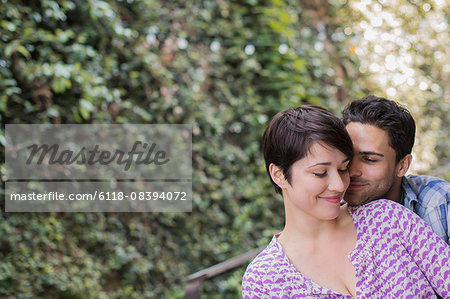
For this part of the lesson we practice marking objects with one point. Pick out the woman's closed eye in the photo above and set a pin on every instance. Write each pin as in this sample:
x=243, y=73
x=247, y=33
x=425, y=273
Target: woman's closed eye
x=323, y=174
x=320, y=174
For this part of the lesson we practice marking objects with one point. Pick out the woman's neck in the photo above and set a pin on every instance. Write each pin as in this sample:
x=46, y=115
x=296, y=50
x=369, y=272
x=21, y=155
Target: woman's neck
x=301, y=228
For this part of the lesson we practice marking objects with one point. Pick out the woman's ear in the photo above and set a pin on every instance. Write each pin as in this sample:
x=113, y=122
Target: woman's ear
x=277, y=175
x=403, y=165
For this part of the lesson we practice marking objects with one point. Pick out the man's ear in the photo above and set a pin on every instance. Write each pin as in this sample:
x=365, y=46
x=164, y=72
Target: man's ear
x=276, y=173
x=403, y=165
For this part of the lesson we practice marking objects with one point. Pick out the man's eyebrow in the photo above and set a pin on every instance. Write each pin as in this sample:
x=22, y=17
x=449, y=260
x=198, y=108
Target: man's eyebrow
x=371, y=153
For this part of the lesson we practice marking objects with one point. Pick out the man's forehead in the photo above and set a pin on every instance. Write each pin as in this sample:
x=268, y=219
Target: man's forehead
x=368, y=138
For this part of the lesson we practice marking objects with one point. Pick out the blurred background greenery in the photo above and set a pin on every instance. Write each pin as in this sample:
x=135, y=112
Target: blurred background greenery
x=226, y=67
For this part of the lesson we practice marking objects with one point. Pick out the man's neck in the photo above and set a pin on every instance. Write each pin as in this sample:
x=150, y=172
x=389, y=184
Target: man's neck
x=395, y=193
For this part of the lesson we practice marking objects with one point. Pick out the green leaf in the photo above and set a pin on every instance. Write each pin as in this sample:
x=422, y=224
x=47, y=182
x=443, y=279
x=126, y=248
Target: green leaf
x=10, y=49
x=61, y=84
x=86, y=105
x=23, y=51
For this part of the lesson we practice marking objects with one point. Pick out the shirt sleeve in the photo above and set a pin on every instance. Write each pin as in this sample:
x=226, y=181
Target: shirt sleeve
x=252, y=286
x=430, y=253
x=439, y=216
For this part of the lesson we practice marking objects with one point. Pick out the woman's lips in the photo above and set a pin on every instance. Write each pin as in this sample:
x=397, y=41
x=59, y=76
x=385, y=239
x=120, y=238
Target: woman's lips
x=332, y=199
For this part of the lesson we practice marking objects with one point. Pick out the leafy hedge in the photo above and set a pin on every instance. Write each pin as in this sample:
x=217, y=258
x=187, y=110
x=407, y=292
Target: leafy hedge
x=136, y=61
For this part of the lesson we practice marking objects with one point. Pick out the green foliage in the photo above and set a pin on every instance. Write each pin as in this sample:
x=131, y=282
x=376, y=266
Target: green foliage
x=404, y=56
x=152, y=62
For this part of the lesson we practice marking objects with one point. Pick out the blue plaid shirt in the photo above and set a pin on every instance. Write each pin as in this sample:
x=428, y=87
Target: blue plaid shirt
x=429, y=197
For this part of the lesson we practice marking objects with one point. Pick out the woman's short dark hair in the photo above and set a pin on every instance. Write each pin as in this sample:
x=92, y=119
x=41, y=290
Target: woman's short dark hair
x=291, y=133
x=387, y=115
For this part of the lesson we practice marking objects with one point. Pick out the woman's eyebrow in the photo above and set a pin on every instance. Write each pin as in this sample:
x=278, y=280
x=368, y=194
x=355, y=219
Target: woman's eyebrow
x=320, y=163
x=327, y=163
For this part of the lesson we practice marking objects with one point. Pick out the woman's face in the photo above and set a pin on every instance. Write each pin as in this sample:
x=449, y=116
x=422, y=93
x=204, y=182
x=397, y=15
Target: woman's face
x=318, y=183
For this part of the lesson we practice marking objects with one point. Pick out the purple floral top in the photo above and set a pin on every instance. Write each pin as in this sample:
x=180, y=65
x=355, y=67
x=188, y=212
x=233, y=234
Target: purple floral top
x=397, y=255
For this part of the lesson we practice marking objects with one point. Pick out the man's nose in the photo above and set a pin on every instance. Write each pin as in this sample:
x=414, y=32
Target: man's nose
x=354, y=169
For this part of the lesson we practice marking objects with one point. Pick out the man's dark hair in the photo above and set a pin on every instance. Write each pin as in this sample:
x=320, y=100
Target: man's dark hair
x=291, y=133
x=387, y=115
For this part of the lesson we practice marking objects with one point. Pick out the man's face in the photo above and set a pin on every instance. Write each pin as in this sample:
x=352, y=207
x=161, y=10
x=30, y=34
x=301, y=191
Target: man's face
x=373, y=168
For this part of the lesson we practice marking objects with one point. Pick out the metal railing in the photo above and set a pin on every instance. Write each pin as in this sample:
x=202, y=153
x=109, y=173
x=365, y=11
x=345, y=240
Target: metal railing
x=195, y=280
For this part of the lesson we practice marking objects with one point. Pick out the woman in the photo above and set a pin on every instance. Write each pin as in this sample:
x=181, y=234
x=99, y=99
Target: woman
x=329, y=250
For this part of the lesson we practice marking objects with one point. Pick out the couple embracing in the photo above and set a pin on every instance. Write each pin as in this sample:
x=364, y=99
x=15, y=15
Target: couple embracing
x=355, y=225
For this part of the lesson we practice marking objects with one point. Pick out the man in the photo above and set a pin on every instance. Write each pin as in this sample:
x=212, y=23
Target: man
x=382, y=133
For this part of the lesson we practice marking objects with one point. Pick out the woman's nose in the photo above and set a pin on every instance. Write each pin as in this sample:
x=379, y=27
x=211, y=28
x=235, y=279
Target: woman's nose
x=339, y=182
